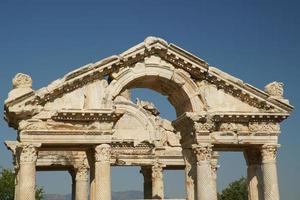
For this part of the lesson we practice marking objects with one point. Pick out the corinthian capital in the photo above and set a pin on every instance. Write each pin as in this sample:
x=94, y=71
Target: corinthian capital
x=214, y=162
x=28, y=153
x=82, y=173
x=268, y=152
x=102, y=153
x=203, y=152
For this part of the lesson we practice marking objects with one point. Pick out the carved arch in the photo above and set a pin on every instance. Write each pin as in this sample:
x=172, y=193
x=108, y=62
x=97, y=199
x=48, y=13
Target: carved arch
x=175, y=83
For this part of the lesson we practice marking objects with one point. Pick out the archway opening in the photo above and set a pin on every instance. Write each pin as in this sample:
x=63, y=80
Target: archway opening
x=181, y=94
x=232, y=167
x=166, y=109
x=174, y=184
x=127, y=182
x=56, y=184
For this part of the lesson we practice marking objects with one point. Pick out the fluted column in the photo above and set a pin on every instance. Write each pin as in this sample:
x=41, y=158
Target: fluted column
x=102, y=172
x=205, y=189
x=214, y=168
x=254, y=173
x=157, y=181
x=27, y=172
x=269, y=169
x=147, y=174
x=82, y=183
x=190, y=174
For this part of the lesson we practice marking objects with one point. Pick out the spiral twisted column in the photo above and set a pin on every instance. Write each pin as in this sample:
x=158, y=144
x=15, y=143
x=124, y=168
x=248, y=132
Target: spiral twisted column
x=205, y=189
x=254, y=173
x=269, y=169
x=102, y=172
x=27, y=172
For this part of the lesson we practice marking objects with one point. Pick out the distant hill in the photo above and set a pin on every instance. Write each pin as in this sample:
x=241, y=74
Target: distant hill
x=126, y=195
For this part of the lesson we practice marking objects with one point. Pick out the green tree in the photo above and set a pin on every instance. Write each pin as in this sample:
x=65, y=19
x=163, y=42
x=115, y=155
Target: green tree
x=236, y=190
x=7, y=186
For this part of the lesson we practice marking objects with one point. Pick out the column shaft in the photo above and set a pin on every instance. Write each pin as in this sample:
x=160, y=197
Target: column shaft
x=17, y=181
x=92, y=181
x=254, y=179
x=27, y=172
x=205, y=189
x=214, y=168
x=269, y=169
x=102, y=172
x=157, y=182
x=254, y=173
x=190, y=174
x=147, y=174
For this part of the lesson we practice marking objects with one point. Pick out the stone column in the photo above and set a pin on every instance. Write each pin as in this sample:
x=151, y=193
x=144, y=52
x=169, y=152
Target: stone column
x=269, y=169
x=205, y=189
x=190, y=174
x=214, y=168
x=157, y=181
x=82, y=183
x=254, y=173
x=102, y=172
x=92, y=180
x=147, y=174
x=73, y=187
x=27, y=172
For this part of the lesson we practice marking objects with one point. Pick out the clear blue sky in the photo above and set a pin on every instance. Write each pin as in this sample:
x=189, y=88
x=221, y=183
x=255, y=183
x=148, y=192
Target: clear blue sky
x=257, y=41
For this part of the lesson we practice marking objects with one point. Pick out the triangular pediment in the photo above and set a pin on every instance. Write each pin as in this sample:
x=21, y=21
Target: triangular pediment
x=218, y=89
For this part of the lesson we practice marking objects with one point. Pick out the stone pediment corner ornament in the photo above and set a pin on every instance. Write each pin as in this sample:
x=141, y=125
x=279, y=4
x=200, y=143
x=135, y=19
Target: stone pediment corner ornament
x=22, y=85
x=275, y=89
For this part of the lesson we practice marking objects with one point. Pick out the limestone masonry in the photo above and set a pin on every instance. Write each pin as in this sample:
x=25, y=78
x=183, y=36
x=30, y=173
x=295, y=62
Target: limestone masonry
x=86, y=122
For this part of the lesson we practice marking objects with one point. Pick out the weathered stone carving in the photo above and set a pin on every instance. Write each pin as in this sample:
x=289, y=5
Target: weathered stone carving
x=28, y=153
x=22, y=81
x=275, y=89
x=102, y=153
x=269, y=152
x=150, y=107
x=203, y=152
x=268, y=127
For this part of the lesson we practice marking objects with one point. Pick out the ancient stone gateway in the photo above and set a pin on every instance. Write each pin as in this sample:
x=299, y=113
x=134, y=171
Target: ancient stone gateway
x=85, y=123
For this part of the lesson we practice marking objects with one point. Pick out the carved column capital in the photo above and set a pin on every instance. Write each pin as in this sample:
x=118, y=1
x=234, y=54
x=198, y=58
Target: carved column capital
x=203, y=153
x=102, y=153
x=82, y=173
x=214, y=162
x=268, y=153
x=27, y=153
x=157, y=171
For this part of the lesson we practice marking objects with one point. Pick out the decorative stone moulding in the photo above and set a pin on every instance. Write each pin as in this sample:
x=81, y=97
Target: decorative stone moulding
x=87, y=115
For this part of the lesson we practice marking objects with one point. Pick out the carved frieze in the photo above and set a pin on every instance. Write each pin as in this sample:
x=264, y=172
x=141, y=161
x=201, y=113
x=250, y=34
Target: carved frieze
x=264, y=127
